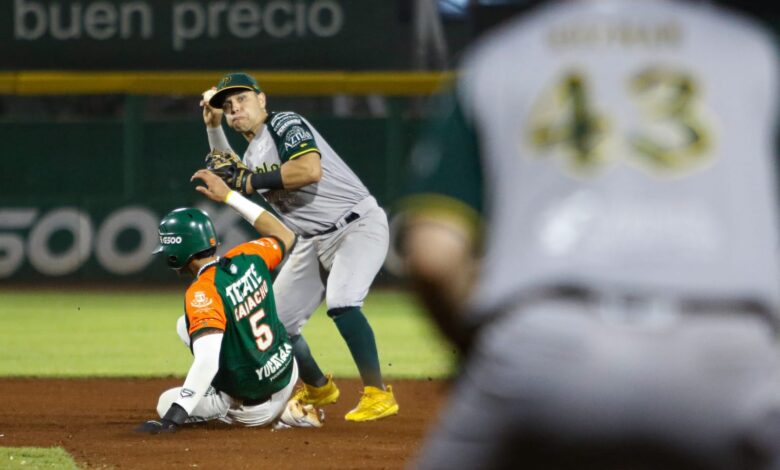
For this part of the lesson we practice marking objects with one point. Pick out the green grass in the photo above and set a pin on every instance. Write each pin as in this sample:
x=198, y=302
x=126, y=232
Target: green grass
x=33, y=458
x=84, y=333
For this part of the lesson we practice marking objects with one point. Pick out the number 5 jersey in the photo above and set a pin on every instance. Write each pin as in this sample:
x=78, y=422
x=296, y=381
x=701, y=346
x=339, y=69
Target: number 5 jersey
x=235, y=295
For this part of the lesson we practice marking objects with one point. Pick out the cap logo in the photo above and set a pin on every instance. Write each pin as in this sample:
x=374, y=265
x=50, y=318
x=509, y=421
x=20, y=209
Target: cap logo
x=225, y=81
x=170, y=240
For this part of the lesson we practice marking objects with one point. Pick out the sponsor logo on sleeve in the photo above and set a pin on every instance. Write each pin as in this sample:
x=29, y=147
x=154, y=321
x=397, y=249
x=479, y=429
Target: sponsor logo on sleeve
x=200, y=300
x=295, y=136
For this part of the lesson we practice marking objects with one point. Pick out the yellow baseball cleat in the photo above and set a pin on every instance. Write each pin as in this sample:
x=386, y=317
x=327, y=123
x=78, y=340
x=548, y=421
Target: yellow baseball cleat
x=374, y=404
x=318, y=396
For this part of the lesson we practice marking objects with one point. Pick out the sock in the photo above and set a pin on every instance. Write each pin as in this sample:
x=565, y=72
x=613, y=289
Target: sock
x=308, y=370
x=359, y=336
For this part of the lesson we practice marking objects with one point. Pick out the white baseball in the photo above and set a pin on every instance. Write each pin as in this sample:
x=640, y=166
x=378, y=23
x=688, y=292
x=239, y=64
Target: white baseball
x=208, y=94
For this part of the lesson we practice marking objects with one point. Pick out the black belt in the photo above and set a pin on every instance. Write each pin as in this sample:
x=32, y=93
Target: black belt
x=351, y=217
x=255, y=402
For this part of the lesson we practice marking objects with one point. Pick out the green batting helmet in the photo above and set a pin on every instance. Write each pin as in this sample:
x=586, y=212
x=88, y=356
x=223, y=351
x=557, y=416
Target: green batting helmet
x=184, y=233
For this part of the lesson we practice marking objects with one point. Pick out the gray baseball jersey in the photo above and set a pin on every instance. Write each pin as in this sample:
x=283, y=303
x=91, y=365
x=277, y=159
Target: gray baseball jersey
x=626, y=147
x=361, y=245
x=313, y=208
x=621, y=150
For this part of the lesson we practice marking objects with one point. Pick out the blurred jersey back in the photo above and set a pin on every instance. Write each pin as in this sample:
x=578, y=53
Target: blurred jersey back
x=629, y=146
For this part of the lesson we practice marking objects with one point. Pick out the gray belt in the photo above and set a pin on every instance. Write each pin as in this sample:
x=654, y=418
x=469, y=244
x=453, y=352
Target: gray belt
x=683, y=305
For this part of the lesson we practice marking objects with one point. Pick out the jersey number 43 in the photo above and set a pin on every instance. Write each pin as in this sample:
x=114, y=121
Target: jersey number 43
x=670, y=135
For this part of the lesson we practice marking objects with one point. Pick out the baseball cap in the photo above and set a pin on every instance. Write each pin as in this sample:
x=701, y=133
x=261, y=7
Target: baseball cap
x=233, y=81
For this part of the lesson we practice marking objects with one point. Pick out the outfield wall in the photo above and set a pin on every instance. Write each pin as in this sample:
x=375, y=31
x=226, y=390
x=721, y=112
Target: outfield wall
x=80, y=201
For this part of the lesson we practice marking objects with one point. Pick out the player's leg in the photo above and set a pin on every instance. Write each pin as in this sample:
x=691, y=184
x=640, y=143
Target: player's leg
x=280, y=407
x=469, y=433
x=214, y=405
x=298, y=290
x=354, y=257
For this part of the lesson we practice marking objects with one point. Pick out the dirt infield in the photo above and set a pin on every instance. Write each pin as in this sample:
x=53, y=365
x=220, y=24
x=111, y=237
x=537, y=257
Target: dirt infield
x=93, y=420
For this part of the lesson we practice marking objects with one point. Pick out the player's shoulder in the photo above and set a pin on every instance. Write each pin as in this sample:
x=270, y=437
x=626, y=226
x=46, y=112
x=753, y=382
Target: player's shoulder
x=204, y=281
x=202, y=292
x=736, y=35
x=254, y=247
x=280, y=121
x=748, y=27
x=505, y=38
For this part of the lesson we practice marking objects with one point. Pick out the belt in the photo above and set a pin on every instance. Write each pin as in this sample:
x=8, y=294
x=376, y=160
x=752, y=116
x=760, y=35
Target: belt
x=255, y=402
x=684, y=305
x=351, y=217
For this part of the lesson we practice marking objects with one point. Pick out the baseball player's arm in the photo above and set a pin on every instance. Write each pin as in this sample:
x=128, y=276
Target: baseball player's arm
x=296, y=173
x=298, y=153
x=441, y=239
x=212, y=117
x=205, y=349
x=205, y=365
x=218, y=139
x=207, y=322
x=440, y=260
x=263, y=221
x=206, y=314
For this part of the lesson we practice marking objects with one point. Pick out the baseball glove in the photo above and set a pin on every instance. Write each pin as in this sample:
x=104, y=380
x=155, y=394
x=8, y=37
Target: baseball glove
x=230, y=168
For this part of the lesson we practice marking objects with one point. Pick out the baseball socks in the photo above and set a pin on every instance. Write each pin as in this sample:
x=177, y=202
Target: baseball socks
x=308, y=370
x=359, y=336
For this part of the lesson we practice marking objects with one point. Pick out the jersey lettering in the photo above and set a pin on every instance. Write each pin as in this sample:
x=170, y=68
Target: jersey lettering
x=266, y=168
x=246, y=307
x=245, y=286
x=275, y=363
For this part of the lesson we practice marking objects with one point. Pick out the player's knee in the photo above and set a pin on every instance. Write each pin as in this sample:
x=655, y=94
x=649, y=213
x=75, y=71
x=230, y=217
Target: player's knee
x=293, y=329
x=166, y=400
x=338, y=311
x=181, y=330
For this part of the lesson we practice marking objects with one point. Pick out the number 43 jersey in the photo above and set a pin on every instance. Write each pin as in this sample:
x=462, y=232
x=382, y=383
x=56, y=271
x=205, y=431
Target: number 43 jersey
x=626, y=145
x=235, y=295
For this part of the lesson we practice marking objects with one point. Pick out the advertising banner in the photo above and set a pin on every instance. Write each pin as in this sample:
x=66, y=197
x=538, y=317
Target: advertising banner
x=203, y=35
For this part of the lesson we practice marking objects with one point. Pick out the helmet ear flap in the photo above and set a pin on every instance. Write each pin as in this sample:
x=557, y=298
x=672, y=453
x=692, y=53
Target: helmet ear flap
x=173, y=261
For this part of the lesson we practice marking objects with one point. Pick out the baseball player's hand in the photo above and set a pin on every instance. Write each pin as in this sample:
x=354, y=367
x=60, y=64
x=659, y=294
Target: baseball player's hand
x=175, y=417
x=211, y=116
x=157, y=427
x=230, y=168
x=215, y=189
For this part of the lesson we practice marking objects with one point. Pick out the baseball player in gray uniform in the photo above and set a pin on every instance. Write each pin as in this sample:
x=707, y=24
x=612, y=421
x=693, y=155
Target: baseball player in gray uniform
x=342, y=233
x=608, y=167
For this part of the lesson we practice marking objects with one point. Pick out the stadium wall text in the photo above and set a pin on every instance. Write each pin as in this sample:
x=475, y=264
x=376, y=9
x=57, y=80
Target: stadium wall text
x=69, y=241
x=85, y=202
x=187, y=34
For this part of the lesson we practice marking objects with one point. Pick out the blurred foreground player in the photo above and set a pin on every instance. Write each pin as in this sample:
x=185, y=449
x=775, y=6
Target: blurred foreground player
x=607, y=168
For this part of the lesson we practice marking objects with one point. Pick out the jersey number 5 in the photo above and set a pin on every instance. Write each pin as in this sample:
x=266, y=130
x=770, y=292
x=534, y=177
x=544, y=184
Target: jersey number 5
x=264, y=337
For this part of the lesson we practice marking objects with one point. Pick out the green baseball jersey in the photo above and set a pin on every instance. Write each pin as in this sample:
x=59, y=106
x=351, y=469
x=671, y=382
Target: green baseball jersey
x=235, y=295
